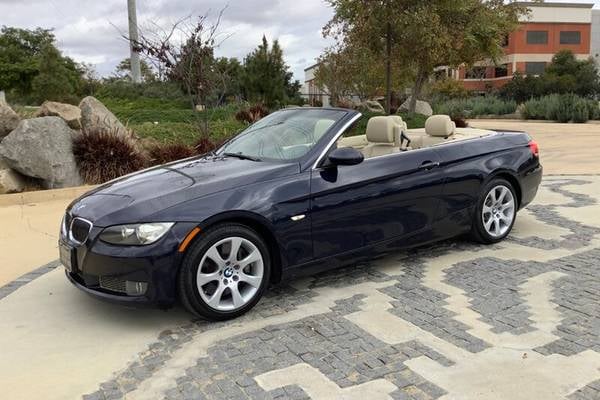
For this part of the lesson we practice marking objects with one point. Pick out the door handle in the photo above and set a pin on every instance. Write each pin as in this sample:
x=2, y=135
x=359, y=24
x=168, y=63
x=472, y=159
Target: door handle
x=429, y=165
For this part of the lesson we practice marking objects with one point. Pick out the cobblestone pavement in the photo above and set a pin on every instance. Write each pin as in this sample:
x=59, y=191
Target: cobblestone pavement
x=520, y=319
x=456, y=320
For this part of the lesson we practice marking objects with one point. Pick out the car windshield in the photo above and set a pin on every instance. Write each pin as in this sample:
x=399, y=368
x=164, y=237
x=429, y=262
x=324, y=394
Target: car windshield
x=284, y=135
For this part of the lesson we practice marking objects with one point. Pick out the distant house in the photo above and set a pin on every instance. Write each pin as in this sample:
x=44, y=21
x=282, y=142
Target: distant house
x=311, y=93
x=549, y=28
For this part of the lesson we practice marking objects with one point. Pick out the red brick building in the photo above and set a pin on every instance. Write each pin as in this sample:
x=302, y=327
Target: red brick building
x=548, y=28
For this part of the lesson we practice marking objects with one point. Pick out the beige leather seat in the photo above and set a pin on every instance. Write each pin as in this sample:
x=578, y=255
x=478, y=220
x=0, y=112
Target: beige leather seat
x=381, y=138
x=438, y=129
x=321, y=127
x=357, y=142
x=399, y=128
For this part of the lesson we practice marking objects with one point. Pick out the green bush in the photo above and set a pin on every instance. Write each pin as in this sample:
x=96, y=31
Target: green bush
x=565, y=74
x=561, y=108
x=124, y=90
x=580, y=111
x=475, y=106
x=184, y=126
x=448, y=89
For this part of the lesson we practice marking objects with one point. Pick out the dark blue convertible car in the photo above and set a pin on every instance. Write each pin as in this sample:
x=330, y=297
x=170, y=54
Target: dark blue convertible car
x=300, y=191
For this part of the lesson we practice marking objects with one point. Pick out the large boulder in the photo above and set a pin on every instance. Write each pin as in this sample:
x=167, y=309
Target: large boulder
x=422, y=107
x=11, y=181
x=70, y=113
x=43, y=148
x=95, y=117
x=8, y=119
x=372, y=106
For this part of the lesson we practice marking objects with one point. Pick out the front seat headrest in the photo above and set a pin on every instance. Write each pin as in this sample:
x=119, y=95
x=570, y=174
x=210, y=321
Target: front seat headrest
x=321, y=127
x=380, y=130
x=440, y=126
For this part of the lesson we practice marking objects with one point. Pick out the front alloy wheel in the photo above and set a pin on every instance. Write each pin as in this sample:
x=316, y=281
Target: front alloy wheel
x=230, y=274
x=225, y=272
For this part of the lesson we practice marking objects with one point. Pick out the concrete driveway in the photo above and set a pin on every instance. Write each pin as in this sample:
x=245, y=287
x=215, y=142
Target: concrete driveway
x=517, y=320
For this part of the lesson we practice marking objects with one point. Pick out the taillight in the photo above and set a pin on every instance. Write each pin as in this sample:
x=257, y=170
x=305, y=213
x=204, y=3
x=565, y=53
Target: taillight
x=535, y=149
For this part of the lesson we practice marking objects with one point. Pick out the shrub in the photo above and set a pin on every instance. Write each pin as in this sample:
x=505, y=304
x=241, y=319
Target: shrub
x=167, y=152
x=581, y=112
x=252, y=114
x=561, y=108
x=205, y=145
x=475, y=106
x=448, y=89
x=105, y=155
x=126, y=90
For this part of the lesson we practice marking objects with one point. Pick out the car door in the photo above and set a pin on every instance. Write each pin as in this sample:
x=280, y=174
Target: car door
x=382, y=198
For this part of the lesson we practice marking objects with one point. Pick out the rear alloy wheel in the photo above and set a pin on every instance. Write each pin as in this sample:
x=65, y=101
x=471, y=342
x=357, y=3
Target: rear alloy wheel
x=225, y=273
x=496, y=214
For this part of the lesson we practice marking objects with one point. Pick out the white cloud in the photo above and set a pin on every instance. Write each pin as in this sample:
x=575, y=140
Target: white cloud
x=90, y=30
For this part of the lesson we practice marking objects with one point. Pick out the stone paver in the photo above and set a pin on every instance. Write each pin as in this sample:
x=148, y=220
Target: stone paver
x=408, y=328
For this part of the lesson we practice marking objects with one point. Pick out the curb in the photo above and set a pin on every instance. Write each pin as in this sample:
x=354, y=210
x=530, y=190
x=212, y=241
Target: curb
x=19, y=199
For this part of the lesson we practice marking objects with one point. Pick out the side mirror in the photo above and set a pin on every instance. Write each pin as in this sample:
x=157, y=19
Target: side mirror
x=346, y=156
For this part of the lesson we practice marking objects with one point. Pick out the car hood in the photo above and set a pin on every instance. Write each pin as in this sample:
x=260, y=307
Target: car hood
x=134, y=197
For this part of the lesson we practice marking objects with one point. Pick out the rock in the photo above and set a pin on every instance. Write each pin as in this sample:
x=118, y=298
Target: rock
x=8, y=119
x=422, y=107
x=372, y=106
x=42, y=148
x=95, y=117
x=11, y=181
x=71, y=114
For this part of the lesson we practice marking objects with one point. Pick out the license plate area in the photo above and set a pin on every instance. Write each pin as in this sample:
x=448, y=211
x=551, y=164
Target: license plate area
x=66, y=256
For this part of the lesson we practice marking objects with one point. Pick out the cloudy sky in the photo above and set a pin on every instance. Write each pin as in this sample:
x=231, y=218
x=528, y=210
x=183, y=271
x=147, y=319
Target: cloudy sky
x=90, y=30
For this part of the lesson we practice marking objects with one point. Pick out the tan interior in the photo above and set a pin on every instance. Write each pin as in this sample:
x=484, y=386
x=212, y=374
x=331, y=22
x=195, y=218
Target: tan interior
x=383, y=135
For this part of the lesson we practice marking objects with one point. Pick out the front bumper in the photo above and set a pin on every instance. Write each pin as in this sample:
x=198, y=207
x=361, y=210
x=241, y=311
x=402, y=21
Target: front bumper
x=156, y=266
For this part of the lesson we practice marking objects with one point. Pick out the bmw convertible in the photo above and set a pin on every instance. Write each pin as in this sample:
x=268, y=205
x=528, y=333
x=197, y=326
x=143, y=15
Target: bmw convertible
x=301, y=191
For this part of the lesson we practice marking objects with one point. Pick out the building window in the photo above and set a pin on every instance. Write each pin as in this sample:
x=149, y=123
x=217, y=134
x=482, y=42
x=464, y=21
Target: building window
x=570, y=37
x=501, y=71
x=504, y=41
x=537, y=37
x=535, y=68
x=475, y=73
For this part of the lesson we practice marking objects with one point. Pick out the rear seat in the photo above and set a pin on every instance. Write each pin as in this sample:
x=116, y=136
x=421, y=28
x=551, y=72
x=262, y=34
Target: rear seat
x=438, y=129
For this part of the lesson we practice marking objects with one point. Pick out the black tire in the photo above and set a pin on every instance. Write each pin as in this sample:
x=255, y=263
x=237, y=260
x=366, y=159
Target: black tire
x=188, y=290
x=478, y=230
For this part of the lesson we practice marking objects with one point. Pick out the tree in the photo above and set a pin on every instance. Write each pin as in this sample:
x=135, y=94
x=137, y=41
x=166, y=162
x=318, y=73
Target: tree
x=189, y=62
x=229, y=71
x=33, y=69
x=565, y=74
x=424, y=33
x=54, y=81
x=19, y=52
x=123, y=70
x=353, y=71
x=266, y=77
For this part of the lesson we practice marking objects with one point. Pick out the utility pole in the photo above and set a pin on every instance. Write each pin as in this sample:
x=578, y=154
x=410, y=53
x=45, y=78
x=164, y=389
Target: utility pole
x=134, y=58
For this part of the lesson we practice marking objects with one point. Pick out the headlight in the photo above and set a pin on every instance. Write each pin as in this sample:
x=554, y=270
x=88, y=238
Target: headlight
x=139, y=234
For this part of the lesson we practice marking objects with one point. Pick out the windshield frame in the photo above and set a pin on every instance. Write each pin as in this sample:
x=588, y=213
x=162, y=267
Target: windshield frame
x=316, y=149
